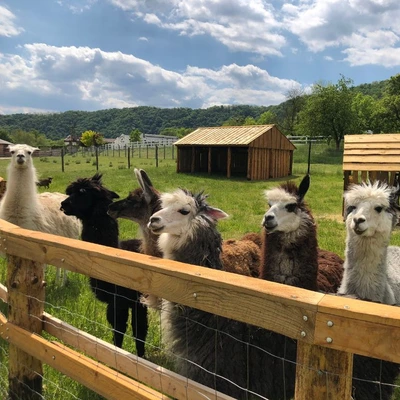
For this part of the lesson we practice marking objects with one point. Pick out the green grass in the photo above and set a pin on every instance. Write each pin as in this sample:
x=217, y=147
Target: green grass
x=243, y=200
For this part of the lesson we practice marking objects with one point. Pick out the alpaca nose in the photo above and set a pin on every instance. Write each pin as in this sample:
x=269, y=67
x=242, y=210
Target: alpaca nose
x=20, y=158
x=359, y=220
x=269, y=221
x=154, y=220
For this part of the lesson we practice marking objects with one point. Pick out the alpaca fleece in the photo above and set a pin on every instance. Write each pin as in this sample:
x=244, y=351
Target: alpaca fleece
x=89, y=200
x=23, y=206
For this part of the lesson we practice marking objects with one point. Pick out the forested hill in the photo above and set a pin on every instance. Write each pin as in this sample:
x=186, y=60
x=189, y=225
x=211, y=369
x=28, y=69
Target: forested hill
x=114, y=122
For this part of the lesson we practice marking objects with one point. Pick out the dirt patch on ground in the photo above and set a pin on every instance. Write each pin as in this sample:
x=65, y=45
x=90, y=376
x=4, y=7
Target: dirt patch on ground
x=331, y=217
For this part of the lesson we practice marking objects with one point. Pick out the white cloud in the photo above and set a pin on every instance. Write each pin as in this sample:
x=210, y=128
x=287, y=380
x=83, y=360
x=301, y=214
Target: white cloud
x=77, y=6
x=257, y=27
x=359, y=27
x=388, y=57
x=7, y=23
x=23, y=110
x=87, y=78
x=241, y=25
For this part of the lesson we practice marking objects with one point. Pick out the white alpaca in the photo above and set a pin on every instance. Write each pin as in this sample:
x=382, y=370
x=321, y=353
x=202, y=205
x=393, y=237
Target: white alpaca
x=372, y=267
x=23, y=206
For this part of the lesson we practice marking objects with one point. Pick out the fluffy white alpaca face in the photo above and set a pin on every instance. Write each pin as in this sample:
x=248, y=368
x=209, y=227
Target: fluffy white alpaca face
x=284, y=214
x=367, y=209
x=175, y=217
x=21, y=155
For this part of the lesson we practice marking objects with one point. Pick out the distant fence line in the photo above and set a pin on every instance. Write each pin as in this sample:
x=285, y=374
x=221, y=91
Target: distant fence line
x=306, y=139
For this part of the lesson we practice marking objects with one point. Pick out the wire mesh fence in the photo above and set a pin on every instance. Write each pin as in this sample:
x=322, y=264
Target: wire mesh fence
x=239, y=359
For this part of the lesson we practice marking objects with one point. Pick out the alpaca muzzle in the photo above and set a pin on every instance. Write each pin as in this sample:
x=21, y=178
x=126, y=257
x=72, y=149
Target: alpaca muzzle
x=20, y=159
x=155, y=225
x=269, y=222
x=357, y=226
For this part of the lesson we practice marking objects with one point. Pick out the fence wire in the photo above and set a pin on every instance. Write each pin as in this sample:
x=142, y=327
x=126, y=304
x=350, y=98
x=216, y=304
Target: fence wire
x=244, y=361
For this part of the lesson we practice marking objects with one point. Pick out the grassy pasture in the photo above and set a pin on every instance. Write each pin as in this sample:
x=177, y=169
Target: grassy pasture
x=241, y=199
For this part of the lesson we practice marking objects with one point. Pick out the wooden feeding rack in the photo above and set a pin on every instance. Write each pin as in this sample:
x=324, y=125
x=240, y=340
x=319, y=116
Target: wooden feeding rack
x=371, y=157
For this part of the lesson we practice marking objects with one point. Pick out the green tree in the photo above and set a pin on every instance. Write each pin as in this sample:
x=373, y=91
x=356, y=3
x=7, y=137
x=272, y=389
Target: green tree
x=237, y=120
x=92, y=138
x=364, y=108
x=267, y=118
x=178, y=132
x=5, y=135
x=135, y=135
x=21, y=136
x=250, y=121
x=295, y=101
x=328, y=112
x=387, y=113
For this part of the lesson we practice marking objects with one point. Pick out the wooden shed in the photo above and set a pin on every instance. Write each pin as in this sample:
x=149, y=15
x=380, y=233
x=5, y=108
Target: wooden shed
x=257, y=152
x=4, y=152
x=371, y=157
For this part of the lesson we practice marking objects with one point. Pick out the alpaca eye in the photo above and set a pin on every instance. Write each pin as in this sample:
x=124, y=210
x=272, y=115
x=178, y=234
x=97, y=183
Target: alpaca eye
x=29, y=152
x=82, y=190
x=12, y=152
x=291, y=207
x=350, y=209
x=378, y=209
x=183, y=212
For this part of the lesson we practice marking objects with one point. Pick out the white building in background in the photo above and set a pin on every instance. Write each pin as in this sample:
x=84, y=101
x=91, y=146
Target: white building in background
x=123, y=141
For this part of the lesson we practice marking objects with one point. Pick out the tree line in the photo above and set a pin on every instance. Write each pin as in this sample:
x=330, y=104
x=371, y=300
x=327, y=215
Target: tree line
x=330, y=109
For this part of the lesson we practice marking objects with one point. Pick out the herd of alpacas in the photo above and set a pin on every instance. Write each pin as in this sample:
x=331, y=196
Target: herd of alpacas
x=238, y=359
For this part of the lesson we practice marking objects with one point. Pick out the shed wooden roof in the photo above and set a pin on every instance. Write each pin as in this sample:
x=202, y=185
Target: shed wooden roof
x=377, y=152
x=225, y=135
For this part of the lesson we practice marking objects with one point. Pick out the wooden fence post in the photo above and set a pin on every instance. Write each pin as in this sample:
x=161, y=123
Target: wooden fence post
x=26, y=296
x=62, y=159
x=322, y=373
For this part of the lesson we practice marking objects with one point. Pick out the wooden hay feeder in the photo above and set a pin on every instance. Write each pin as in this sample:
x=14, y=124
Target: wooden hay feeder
x=371, y=157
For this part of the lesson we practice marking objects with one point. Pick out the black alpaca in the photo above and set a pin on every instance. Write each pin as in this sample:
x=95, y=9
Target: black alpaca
x=89, y=200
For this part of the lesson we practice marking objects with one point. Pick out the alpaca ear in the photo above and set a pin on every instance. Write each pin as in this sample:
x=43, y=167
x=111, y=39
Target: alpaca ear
x=138, y=177
x=215, y=213
x=145, y=184
x=303, y=187
x=145, y=179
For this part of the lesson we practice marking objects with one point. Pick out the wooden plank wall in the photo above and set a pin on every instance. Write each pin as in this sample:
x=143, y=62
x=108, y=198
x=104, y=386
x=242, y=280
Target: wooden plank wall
x=270, y=156
x=371, y=157
x=269, y=163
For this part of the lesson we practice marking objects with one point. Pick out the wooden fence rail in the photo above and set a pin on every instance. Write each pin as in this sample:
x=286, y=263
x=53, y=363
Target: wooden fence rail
x=329, y=329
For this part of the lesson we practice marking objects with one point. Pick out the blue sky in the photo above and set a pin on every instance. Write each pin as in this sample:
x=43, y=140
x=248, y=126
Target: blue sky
x=59, y=55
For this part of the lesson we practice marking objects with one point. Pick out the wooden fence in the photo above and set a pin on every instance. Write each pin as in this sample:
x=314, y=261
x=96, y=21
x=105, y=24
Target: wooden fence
x=329, y=329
